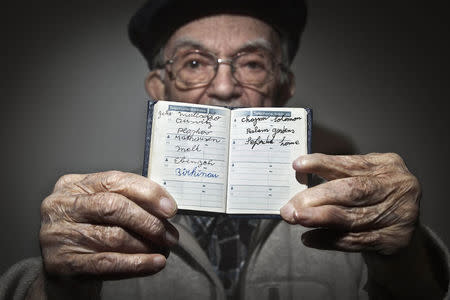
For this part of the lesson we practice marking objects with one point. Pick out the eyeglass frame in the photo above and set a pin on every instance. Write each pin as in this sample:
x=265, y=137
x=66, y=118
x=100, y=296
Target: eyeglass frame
x=218, y=61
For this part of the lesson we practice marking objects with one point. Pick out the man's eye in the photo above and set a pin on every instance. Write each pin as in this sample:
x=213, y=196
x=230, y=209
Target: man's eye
x=253, y=66
x=199, y=63
x=193, y=64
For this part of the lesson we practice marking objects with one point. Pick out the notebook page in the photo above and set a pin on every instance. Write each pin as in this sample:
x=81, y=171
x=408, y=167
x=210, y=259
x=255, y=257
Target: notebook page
x=189, y=154
x=264, y=143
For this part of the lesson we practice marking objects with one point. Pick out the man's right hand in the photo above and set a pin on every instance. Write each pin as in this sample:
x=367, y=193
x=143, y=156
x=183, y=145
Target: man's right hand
x=110, y=224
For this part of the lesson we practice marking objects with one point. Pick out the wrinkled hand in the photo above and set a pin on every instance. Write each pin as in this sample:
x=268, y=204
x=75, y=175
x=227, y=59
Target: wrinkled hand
x=109, y=224
x=370, y=203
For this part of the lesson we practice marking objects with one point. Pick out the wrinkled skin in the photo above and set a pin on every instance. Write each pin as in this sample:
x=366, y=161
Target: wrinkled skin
x=109, y=224
x=370, y=203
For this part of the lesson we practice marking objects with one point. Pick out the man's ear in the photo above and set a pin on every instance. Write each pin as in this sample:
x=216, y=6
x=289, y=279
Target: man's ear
x=155, y=86
x=286, y=90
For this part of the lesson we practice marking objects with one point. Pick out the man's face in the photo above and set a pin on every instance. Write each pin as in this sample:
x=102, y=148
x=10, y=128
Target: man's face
x=225, y=36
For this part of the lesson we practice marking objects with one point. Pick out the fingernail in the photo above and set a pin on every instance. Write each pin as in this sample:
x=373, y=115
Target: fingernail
x=171, y=238
x=169, y=207
x=159, y=262
x=288, y=212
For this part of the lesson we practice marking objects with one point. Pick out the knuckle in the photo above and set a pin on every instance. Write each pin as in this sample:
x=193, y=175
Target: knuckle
x=110, y=179
x=104, y=264
x=109, y=204
x=355, y=218
x=408, y=190
x=156, y=225
x=394, y=159
x=115, y=237
x=45, y=241
x=46, y=236
x=59, y=239
x=63, y=181
x=46, y=204
x=52, y=208
x=352, y=222
x=365, y=162
x=137, y=263
x=371, y=240
x=364, y=240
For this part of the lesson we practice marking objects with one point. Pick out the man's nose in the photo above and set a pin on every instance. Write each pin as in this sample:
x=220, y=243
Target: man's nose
x=224, y=87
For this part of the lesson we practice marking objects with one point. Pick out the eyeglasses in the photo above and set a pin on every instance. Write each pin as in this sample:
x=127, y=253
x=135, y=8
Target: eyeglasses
x=196, y=68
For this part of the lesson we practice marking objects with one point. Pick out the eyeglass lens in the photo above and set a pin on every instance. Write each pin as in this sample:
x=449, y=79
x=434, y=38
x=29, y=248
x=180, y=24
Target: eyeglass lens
x=195, y=68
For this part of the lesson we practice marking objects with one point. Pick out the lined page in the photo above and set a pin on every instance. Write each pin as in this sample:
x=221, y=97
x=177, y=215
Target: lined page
x=264, y=143
x=189, y=154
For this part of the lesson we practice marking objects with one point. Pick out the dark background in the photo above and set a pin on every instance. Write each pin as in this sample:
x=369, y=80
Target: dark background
x=73, y=100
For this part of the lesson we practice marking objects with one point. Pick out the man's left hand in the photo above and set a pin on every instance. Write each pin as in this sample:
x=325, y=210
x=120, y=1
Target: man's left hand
x=370, y=203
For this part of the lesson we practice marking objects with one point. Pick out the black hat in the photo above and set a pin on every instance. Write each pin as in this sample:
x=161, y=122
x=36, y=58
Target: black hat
x=157, y=20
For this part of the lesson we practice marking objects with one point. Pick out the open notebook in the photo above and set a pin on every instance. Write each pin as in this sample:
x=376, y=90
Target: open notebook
x=221, y=160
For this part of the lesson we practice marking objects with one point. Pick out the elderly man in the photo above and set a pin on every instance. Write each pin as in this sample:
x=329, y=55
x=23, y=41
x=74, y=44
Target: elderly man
x=114, y=225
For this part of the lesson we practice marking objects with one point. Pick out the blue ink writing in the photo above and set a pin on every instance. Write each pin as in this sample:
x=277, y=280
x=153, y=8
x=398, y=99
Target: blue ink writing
x=194, y=173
